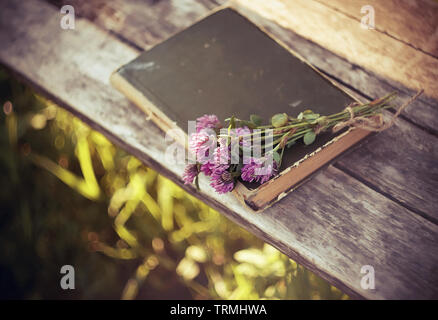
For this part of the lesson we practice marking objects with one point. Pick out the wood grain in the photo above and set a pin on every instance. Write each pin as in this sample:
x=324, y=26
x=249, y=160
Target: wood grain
x=415, y=22
x=333, y=224
x=401, y=163
x=380, y=233
x=157, y=20
x=343, y=35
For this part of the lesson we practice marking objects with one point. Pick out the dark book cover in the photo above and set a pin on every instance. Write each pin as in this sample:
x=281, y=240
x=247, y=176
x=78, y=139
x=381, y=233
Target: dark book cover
x=225, y=65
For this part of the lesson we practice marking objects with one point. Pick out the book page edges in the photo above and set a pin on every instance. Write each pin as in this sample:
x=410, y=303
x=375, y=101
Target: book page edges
x=290, y=178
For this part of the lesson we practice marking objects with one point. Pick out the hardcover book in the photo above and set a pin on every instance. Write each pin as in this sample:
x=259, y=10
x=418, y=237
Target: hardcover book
x=226, y=65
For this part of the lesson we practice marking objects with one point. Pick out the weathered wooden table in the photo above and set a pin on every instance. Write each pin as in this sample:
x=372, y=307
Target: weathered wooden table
x=376, y=206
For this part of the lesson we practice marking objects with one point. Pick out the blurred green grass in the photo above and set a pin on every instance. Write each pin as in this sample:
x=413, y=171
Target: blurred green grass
x=69, y=196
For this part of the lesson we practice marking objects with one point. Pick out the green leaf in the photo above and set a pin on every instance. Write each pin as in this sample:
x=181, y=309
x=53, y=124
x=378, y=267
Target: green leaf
x=279, y=120
x=257, y=120
x=309, y=137
x=276, y=156
x=248, y=124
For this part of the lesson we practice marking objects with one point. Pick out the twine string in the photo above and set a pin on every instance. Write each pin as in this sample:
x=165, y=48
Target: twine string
x=374, y=123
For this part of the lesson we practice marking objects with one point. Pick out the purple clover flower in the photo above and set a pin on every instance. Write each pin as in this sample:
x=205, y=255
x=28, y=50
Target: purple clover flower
x=220, y=161
x=207, y=168
x=258, y=170
x=238, y=133
x=207, y=121
x=190, y=173
x=221, y=156
x=200, y=144
x=222, y=181
x=198, y=141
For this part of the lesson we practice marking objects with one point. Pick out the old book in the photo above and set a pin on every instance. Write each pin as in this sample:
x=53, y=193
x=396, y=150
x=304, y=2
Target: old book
x=226, y=65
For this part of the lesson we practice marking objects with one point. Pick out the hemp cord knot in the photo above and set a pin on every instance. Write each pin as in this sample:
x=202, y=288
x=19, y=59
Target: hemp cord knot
x=374, y=123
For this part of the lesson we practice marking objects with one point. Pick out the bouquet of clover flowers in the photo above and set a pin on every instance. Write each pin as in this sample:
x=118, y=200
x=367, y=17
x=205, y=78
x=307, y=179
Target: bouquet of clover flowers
x=252, y=152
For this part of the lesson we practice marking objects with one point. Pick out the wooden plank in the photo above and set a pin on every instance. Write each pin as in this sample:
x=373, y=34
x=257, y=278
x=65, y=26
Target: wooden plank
x=400, y=163
x=333, y=225
x=380, y=237
x=418, y=195
x=158, y=19
x=414, y=22
x=373, y=50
